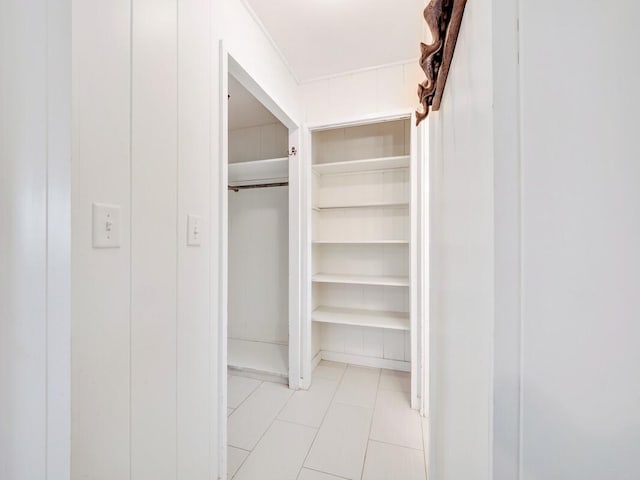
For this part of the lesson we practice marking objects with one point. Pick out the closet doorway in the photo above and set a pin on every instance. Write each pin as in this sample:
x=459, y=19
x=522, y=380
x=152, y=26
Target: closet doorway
x=258, y=237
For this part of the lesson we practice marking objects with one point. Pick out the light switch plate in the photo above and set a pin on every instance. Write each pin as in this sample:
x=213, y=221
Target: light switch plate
x=194, y=230
x=106, y=226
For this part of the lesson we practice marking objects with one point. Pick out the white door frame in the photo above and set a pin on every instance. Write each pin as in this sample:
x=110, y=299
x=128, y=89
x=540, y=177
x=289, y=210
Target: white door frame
x=228, y=65
x=419, y=250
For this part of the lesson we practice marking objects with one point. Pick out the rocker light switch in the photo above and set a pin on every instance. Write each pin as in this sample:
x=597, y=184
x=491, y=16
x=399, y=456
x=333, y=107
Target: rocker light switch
x=194, y=230
x=106, y=226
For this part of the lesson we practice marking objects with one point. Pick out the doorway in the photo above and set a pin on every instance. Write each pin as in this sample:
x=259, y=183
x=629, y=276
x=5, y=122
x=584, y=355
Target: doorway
x=259, y=242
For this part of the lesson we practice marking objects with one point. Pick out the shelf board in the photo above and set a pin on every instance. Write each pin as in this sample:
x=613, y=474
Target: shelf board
x=363, y=205
x=272, y=170
x=361, y=318
x=361, y=242
x=371, y=164
x=392, y=281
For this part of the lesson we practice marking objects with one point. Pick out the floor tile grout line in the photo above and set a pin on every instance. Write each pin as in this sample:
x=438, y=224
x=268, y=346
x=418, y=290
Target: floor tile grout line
x=322, y=422
x=234, y=410
x=373, y=413
x=245, y=398
x=396, y=445
x=424, y=446
x=340, y=477
x=265, y=431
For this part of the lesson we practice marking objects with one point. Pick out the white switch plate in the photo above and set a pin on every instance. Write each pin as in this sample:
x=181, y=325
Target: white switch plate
x=106, y=226
x=194, y=230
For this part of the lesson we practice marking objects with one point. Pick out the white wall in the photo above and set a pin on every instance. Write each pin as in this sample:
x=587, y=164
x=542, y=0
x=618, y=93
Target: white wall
x=536, y=227
x=35, y=138
x=581, y=231
x=259, y=265
x=261, y=142
x=146, y=116
x=385, y=89
x=144, y=371
x=462, y=309
x=246, y=41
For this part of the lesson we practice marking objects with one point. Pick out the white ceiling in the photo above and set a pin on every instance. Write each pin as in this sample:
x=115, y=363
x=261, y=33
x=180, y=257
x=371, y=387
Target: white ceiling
x=244, y=109
x=326, y=37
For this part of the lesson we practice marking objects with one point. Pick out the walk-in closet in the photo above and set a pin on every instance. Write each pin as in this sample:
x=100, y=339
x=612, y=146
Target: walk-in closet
x=258, y=253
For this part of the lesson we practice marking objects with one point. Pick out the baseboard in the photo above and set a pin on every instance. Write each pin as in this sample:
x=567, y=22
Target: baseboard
x=316, y=361
x=363, y=361
x=257, y=375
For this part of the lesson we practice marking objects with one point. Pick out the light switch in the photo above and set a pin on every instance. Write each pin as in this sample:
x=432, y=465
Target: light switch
x=106, y=226
x=194, y=230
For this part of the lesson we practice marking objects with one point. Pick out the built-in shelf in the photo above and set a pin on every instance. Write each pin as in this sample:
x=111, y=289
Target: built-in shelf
x=392, y=281
x=371, y=164
x=273, y=170
x=361, y=242
x=361, y=318
x=363, y=205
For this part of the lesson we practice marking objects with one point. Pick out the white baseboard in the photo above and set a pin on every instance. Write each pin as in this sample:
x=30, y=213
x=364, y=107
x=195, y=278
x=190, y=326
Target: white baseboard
x=257, y=375
x=316, y=361
x=366, y=361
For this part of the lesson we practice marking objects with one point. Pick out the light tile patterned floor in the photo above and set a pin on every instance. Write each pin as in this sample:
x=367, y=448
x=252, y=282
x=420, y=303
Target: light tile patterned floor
x=354, y=423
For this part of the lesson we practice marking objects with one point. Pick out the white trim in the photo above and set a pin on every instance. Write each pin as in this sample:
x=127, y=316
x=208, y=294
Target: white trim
x=356, y=120
x=254, y=88
x=306, y=328
x=222, y=260
x=360, y=70
x=316, y=361
x=363, y=361
x=423, y=176
x=254, y=16
x=295, y=262
x=414, y=255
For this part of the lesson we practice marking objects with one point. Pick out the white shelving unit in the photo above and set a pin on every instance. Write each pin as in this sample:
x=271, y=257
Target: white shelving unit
x=255, y=172
x=388, y=280
x=361, y=318
x=358, y=166
x=361, y=226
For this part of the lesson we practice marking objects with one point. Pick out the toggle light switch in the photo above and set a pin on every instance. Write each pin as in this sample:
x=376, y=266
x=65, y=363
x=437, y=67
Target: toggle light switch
x=106, y=226
x=194, y=230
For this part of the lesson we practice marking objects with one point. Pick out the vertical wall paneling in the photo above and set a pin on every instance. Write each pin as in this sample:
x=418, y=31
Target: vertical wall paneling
x=194, y=171
x=35, y=134
x=461, y=139
x=59, y=239
x=23, y=211
x=100, y=335
x=219, y=182
x=154, y=233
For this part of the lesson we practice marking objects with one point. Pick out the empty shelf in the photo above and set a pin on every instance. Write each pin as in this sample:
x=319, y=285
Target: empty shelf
x=361, y=242
x=259, y=171
x=384, y=163
x=361, y=318
x=392, y=281
x=364, y=205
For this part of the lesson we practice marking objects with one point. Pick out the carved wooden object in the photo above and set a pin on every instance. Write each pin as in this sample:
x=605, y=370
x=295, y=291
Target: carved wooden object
x=443, y=18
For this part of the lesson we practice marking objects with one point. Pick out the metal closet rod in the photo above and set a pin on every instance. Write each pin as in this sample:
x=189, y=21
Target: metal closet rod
x=237, y=188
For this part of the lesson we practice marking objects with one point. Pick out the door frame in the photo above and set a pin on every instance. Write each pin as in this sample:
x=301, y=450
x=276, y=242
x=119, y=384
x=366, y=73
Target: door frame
x=230, y=66
x=419, y=249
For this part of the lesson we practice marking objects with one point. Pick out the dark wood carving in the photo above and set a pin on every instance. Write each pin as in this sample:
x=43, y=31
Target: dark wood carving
x=443, y=18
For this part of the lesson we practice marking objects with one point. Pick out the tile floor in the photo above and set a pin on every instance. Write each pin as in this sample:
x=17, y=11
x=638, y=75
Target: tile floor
x=353, y=423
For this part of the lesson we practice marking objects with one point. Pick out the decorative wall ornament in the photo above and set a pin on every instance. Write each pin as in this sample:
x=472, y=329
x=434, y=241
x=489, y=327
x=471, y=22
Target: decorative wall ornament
x=443, y=18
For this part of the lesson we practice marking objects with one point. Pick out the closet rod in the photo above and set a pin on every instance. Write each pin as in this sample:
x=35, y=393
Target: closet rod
x=237, y=188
